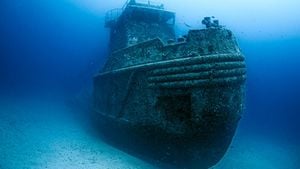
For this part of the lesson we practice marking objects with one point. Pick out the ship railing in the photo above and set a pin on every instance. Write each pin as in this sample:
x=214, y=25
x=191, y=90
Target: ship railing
x=151, y=4
x=113, y=15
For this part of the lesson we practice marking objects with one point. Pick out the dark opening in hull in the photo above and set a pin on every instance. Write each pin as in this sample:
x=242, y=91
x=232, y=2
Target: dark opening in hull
x=177, y=108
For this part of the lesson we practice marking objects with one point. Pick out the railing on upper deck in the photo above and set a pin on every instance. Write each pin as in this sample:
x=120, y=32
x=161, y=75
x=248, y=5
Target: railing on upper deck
x=149, y=4
x=113, y=15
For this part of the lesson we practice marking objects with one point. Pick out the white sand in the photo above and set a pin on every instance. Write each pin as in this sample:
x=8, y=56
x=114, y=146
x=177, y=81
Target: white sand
x=41, y=134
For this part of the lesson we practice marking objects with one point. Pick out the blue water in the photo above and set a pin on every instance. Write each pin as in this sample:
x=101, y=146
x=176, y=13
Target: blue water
x=50, y=50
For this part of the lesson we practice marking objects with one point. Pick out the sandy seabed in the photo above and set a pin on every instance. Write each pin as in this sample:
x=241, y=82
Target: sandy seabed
x=37, y=134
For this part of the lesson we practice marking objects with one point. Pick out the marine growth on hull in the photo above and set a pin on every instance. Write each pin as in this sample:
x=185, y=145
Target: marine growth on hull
x=173, y=100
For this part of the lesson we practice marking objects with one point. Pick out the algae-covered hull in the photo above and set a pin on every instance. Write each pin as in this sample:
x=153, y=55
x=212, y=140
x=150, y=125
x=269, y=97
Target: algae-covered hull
x=177, y=103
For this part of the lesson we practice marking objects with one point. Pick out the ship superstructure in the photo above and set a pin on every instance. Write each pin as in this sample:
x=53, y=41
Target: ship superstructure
x=175, y=100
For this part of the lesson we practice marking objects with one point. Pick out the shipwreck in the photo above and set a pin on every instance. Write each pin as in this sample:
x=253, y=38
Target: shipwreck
x=174, y=100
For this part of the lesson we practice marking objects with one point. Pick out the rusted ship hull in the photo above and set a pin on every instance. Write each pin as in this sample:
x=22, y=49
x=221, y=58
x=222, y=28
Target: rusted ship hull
x=179, y=104
x=201, y=146
x=167, y=150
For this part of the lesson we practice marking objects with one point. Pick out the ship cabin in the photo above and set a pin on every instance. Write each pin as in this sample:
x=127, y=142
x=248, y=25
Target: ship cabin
x=139, y=21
